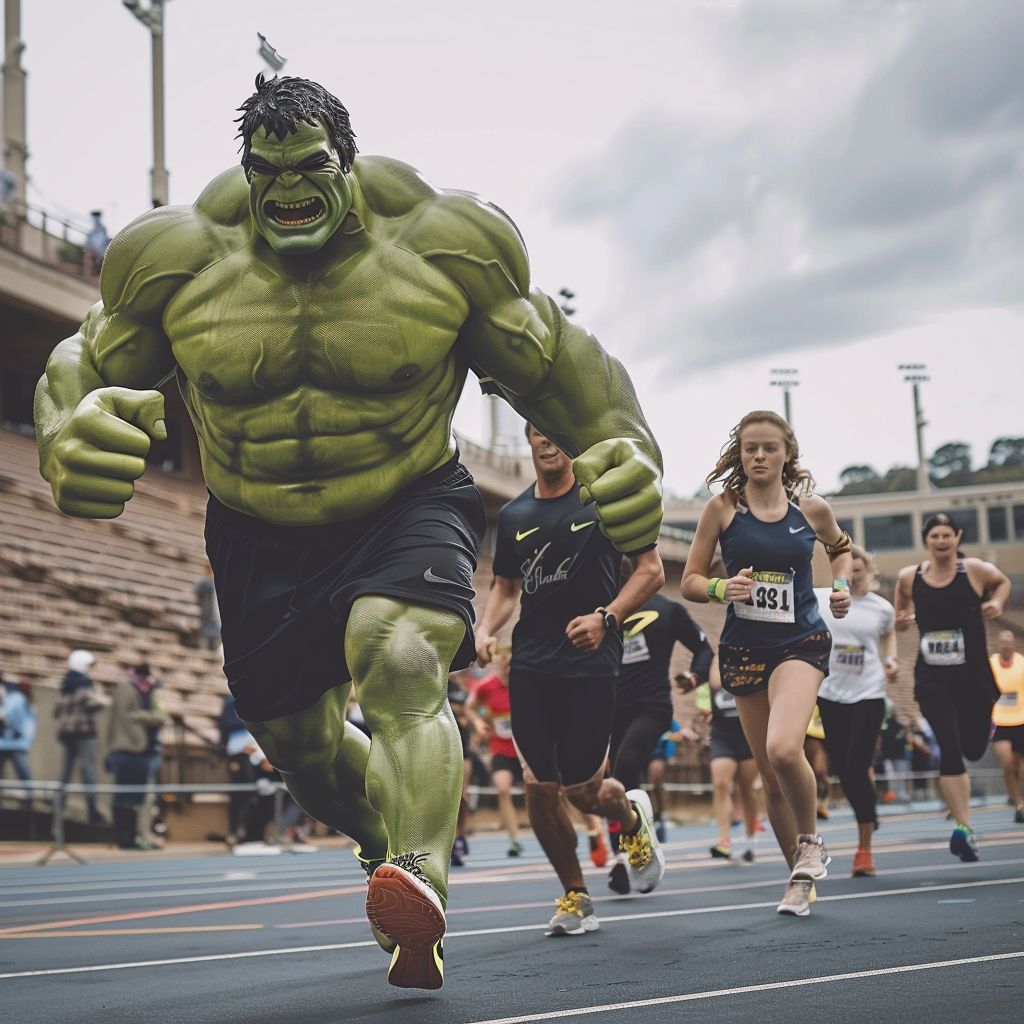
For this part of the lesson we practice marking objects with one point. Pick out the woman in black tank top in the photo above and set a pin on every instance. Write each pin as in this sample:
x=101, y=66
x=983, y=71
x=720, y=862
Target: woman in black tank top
x=949, y=597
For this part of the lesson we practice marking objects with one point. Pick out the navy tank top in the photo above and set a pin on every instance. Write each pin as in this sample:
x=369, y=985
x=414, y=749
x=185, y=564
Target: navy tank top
x=782, y=608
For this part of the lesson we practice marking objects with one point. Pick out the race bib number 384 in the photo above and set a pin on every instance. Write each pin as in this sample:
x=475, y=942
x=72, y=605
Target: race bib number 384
x=943, y=647
x=771, y=598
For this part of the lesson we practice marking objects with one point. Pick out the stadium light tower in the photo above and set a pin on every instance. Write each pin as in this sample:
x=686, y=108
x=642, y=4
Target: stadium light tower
x=153, y=18
x=913, y=373
x=785, y=379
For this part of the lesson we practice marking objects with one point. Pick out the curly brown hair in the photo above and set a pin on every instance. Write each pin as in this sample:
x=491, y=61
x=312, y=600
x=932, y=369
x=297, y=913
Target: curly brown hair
x=729, y=470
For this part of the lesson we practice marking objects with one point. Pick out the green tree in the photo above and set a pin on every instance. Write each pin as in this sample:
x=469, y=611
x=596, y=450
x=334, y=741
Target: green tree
x=1006, y=451
x=950, y=465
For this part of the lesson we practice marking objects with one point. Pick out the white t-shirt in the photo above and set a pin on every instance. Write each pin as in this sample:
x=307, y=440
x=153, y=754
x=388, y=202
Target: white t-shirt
x=855, y=668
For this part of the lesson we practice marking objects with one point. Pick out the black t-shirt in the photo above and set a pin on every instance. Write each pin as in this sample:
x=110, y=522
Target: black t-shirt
x=568, y=568
x=650, y=635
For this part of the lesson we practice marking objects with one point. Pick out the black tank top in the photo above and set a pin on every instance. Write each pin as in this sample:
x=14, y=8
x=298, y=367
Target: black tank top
x=952, y=632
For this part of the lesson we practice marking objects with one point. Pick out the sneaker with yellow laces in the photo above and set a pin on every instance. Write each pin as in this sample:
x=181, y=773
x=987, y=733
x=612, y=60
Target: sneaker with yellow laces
x=574, y=916
x=642, y=849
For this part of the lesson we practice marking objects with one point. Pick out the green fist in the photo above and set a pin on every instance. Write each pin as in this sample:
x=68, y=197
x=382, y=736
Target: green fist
x=625, y=486
x=93, y=461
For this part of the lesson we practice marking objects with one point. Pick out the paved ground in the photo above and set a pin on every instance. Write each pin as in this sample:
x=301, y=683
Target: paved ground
x=217, y=939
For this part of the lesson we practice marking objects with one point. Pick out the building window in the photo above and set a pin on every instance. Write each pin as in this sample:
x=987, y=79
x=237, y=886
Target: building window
x=966, y=519
x=1018, y=521
x=845, y=524
x=19, y=390
x=998, y=528
x=887, y=533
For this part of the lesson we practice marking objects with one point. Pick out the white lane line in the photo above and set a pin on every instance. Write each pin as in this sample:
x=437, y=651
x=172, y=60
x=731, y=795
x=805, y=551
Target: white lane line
x=769, y=987
x=694, y=911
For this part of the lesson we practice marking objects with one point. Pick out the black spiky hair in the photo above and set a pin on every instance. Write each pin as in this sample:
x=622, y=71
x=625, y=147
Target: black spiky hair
x=278, y=105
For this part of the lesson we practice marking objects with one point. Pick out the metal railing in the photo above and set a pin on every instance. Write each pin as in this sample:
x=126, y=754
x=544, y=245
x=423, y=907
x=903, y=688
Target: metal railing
x=56, y=241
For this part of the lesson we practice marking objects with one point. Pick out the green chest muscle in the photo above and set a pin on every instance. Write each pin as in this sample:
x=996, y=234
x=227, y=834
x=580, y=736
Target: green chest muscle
x=380, y=321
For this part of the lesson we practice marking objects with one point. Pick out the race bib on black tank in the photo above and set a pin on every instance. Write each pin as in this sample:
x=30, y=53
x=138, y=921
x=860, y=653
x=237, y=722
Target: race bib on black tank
x=771, y=598
x=635, y=649
x=943, y=647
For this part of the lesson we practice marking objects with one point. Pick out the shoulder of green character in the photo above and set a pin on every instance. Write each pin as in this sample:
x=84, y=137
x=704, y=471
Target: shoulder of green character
x=170, y=244
x=390, y=187
x=454, y=229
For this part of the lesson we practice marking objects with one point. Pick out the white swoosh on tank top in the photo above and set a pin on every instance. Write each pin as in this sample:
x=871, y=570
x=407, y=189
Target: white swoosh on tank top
x=797, y=530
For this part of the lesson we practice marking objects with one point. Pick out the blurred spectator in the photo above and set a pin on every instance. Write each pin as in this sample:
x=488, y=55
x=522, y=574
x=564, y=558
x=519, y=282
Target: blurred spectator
x=209, y=611
x=75, y=713
x=97, y=240
x=17, y=731
x=457, y=700
x=134, y=743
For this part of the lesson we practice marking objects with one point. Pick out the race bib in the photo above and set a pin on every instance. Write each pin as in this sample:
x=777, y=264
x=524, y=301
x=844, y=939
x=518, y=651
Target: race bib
x=943, y=647
x=634, y=649
x=848, y=658
x=1007, y=700
x=726, y=704
x=771, y=599
x=503, y=727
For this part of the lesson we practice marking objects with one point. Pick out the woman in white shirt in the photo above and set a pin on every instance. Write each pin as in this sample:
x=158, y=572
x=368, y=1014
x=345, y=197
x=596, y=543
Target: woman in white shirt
x=852, y=696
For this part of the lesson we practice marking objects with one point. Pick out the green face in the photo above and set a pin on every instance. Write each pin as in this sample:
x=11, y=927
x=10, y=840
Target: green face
x=298, y=193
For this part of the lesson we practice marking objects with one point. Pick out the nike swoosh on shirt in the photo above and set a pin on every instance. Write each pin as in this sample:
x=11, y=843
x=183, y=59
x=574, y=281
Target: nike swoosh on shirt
x=526, y=533
x=797, y=530
x=429, y=576
x=579, y=526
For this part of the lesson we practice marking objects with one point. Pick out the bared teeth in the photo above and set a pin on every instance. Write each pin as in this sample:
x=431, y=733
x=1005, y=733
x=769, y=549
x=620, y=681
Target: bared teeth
x=297, y=205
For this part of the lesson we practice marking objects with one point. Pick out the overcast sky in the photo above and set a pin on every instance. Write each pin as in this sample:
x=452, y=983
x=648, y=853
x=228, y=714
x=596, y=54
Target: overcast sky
x=728, y=187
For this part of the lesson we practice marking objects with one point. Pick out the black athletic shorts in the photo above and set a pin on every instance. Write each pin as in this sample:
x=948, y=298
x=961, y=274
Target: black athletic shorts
x=729, y=741
x=747, y=669
x=562, y=726
x=501, y=763
x=1013, y=734
x=285, y=592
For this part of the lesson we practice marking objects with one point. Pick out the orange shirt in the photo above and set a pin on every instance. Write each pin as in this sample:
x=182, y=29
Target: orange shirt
x=1009, y=709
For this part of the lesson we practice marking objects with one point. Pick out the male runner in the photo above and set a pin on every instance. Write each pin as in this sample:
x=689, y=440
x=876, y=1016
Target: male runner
x=566, y=651
x=643, y=697
x=321, y=313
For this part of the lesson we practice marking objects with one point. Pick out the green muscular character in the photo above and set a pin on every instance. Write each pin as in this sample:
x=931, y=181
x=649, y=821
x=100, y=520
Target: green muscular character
x=321, y=314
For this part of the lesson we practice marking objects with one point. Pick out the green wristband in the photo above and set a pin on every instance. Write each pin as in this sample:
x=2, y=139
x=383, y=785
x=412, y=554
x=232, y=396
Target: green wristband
x=841, y=584
x=716, y=589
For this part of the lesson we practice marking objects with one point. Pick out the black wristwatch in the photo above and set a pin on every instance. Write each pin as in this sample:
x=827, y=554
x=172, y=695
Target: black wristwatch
x=611, y=624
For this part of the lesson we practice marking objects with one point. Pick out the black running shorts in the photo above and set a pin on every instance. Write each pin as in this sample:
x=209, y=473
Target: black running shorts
x=747, y=669
x=562, y=726
x=729, y=742
x=285, y=592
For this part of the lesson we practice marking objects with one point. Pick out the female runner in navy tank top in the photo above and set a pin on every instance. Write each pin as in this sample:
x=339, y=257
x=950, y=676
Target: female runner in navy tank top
x=775, y=646
x=950, y=597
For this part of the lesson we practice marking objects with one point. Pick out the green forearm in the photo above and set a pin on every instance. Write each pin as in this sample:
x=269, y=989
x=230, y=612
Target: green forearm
x=586, y=395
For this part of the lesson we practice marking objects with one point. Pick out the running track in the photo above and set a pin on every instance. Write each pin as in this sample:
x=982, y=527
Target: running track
x=280, y=939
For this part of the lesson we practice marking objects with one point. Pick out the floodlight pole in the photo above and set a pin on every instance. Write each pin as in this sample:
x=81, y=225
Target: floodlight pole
x=785, y=379
x=913, y=374
x=153, y=18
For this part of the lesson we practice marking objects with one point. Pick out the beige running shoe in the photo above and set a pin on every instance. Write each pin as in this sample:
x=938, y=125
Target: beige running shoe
x=798, y=898
x=812, y=859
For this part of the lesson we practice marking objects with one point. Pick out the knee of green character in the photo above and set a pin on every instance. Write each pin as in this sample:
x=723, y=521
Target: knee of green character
x=394, y=649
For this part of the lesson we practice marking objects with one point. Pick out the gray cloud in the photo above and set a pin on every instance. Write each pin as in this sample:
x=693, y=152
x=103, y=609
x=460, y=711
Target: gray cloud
x=800, y=224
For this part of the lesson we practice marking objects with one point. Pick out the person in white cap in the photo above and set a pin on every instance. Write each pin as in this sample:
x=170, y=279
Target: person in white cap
x=75, y=712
